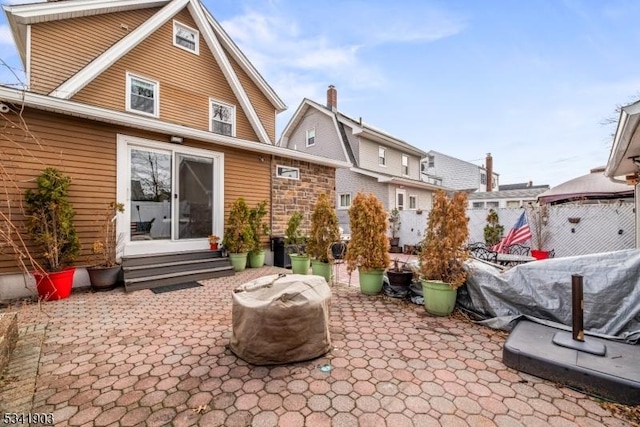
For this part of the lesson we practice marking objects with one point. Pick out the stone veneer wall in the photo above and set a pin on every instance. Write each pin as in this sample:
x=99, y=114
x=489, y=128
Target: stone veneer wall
x=290, y=195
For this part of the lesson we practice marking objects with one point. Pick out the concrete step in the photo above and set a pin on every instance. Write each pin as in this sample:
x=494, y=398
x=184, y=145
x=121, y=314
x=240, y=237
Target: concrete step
x=171, y=267
x=137, y=260
x=149, y=282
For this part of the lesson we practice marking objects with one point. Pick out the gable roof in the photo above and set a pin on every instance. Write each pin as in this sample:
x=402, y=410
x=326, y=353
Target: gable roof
x=299, y=114
x=20, y=17
x=625, y=150
x=358, y=127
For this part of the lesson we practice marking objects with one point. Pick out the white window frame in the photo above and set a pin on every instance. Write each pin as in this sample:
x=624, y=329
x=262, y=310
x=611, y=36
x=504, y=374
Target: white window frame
x=483, y=178
x=399, y=206
x=340, y=205
x=431, y=161
x=477, y=205
x=492, y=204
x=156, y=95
x=196, y=33
x=233, y=116
x=279, y=172
x=405, y=159
x=415, y=202
x=310, y=136
x=382, y=157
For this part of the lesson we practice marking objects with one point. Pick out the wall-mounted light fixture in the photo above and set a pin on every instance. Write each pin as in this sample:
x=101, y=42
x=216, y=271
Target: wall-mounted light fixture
x=176, y=139
x=574, y=220
x=261, y=158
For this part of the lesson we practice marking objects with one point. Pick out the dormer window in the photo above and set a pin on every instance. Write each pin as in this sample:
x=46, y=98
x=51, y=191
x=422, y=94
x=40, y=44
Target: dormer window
x=186, y=37
x=311, y=137
x=382, y=156
x=142, y=95
x=223, y=118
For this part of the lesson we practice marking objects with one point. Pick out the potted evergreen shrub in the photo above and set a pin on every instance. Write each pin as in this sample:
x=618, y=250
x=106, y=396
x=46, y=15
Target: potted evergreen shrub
x=295, y=240
x=238, y=237
x=104, y=275
x=324, y=233
x=49, y=221
x=259, y=229
x=444, y=253
x=368, y=247
x=493, y=231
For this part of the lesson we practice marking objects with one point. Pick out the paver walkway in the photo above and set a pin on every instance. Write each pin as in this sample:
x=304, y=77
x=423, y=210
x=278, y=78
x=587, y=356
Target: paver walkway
x=141, y=359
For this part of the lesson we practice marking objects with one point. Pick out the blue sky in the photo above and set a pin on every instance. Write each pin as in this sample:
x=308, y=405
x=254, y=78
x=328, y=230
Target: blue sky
x=533, y=82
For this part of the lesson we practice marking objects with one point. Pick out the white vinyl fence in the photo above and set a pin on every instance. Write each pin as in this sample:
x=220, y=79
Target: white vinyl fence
x=600, y=228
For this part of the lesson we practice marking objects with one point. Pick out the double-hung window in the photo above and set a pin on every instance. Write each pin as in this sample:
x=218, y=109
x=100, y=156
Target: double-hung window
x=311, y=137
x=345, y=200
x=382, y=156
x=186, y=37
x=405, y=165
x=223, y=118
x=413, y=202
x=142, y=95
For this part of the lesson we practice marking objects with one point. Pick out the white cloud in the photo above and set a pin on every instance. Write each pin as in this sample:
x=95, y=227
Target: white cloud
x=5, y=35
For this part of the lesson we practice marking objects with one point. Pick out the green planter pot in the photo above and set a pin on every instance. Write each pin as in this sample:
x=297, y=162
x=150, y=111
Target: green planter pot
x=239, y=261
x=300, y=264
x=319, y=268
x=371, y=281
x=439, y=298
x=256, y=259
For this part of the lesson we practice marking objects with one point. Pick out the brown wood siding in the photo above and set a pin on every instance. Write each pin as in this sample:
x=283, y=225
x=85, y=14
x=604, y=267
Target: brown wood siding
x=86, y=151
x=264, y=109
x=187, y=81
x=59, y=49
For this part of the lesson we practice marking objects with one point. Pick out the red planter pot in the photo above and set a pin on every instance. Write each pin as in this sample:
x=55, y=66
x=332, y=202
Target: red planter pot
x=55, y=286
x=537, y=254
x=213, y=246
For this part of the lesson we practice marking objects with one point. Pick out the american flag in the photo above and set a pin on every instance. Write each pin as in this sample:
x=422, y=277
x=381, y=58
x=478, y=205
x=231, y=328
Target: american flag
x=520, y=233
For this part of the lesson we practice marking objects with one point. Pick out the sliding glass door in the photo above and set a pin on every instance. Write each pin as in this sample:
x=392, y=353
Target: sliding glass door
x=173, y=195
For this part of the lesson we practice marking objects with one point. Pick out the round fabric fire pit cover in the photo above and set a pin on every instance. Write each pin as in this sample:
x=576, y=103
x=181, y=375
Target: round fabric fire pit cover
x=281, y=319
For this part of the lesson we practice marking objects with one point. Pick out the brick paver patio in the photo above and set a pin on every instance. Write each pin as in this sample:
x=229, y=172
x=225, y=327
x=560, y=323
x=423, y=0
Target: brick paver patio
x=141, y=359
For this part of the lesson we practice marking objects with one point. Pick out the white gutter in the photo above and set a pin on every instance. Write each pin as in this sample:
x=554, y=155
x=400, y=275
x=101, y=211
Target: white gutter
x=75, y=109
x=627, y=126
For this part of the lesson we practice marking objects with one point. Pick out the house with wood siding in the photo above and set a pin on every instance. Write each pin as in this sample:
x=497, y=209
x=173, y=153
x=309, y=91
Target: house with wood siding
x=149, y=103
x=382, y=164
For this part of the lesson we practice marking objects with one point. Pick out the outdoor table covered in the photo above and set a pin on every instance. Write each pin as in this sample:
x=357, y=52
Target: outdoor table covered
x=281, y=319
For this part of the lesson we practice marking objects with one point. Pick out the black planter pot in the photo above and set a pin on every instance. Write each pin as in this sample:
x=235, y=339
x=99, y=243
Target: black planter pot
x=400, y=278
x=394, y=241
x=103, y=278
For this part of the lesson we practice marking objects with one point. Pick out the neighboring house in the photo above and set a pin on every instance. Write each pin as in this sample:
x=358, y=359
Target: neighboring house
x=441, y=169
x=382, y=164
x=149, y=103
x=623, y=165
x=507, y=196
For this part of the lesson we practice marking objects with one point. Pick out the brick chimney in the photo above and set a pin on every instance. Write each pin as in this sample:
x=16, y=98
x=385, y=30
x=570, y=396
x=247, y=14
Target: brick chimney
x=332, y=98
x=489, y=166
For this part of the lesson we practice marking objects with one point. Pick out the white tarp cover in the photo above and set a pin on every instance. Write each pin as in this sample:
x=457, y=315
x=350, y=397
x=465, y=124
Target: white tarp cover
x=281, y=319
x=541, y=291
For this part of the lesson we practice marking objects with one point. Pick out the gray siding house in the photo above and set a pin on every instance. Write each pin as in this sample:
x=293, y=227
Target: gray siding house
x=441, y=169
x=381, y=163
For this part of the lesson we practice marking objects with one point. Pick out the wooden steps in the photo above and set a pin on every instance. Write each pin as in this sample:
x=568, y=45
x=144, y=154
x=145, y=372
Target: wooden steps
x=149, y=271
